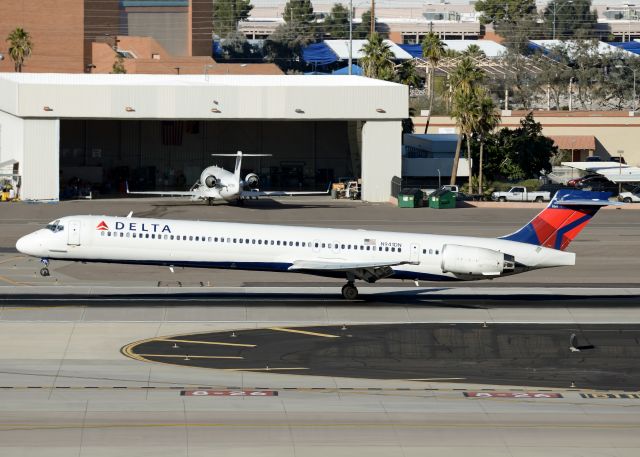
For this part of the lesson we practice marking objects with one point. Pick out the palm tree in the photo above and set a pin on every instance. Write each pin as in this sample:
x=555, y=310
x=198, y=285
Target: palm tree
x=466, y=111
x=20, y=47
x=433, y=49
x=463, y=84
x=407, y=74
x=377, y=61
x=473, y=50
x=489, y=120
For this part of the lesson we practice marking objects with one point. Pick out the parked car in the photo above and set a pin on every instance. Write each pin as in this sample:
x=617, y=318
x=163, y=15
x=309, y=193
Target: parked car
x=598, y=183
x=574, y=182
x=520, y=194
x=632, y=196
x=593, y=159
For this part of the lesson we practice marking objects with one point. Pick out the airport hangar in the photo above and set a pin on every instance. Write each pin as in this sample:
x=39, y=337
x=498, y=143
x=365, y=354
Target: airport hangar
x=159, y=131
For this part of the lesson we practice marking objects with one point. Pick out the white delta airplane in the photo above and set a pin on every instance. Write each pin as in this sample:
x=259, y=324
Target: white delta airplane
x=341, y=253
x=216, y=183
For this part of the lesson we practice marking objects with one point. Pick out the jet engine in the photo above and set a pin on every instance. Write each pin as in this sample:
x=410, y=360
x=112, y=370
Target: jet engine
x=252, y=180
x=210, y=181
x=474, y=261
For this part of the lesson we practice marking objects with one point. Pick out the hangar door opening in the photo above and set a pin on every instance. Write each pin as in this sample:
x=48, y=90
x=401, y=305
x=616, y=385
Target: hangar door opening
x=100, y=156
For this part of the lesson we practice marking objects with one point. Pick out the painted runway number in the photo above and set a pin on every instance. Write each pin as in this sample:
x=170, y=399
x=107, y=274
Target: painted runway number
x=229, y=393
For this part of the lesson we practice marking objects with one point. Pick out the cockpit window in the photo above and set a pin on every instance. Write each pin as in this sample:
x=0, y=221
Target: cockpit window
x=55, y=226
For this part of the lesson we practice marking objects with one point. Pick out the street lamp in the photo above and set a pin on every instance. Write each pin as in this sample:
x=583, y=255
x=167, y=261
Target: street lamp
x=555, y=10
x=620, y=152
x=635, y=101
x=350, y=37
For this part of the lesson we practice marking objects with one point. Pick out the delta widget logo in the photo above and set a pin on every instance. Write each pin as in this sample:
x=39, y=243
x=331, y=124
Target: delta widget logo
x=102, y=226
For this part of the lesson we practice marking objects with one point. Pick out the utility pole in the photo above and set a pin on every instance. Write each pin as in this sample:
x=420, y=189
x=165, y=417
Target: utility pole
x=350, y=37
x=373, y=17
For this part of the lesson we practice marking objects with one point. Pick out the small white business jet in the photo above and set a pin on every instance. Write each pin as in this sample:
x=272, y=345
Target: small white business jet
x=216, y=183
x=342, y=253
x=614, y=171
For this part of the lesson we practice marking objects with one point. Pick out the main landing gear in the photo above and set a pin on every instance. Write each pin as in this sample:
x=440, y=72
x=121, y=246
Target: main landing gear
x=349, y=291
x=44, y=271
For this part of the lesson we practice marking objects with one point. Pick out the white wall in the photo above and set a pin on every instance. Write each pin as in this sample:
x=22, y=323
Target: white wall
x=40, y=173
x=11, y=138
x=381, y=158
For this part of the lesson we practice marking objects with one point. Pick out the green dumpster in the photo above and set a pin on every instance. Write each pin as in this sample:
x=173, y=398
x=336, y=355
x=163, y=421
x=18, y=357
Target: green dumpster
x=441, y=199
x=410, y=198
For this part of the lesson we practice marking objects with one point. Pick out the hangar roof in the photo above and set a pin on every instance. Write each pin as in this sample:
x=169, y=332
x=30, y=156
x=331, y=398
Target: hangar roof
x=139, y=96
x=191, y=80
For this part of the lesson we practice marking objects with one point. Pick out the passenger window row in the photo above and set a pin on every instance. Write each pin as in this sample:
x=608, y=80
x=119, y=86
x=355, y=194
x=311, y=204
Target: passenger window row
x=431, y=251
x=252, y=241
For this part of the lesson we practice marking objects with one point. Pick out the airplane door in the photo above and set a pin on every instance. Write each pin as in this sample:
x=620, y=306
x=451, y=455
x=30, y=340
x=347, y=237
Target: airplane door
x=414, y=253
x=73, y=233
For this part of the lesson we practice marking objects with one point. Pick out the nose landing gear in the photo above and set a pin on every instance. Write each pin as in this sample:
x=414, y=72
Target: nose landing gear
x=349, y=291
x=44, y=271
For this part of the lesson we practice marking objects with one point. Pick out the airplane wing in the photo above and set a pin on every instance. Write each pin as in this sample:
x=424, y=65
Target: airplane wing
x=613, y=171
x=165, y=193
x=281, y=193
x=338, y=265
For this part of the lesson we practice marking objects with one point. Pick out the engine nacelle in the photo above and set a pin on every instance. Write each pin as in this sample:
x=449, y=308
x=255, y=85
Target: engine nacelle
x=210, y=181
x=469, y=260
x=252, y=180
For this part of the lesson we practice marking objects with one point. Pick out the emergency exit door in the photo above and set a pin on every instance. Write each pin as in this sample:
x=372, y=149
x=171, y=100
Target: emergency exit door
x=414, y=255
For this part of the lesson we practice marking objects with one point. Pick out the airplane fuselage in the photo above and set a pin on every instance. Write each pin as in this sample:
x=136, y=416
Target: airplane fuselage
x=281, y=248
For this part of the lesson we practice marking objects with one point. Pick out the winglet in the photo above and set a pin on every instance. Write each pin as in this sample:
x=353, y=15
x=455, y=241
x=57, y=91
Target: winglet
x=126, y=185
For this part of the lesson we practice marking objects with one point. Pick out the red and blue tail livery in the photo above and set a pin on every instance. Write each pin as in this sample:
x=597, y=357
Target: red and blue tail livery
x=562, y=220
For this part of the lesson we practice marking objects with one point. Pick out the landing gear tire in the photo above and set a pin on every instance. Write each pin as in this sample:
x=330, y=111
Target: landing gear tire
x=44, y=272
x=210, y=201
x=349, y=292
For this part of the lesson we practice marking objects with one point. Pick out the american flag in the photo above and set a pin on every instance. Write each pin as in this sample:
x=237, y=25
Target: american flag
x=369, y=242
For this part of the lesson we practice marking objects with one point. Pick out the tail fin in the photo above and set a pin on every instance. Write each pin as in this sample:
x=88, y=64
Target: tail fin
x=560, y=222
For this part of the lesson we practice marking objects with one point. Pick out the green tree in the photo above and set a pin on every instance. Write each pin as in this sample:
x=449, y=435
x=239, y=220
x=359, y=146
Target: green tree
x=20, y=47
x=227, y=14
x=363, y=29
x=489, y=118
x=571, y=18
x=299, y=16
x=474, y=51
x=407, y=74
x=465, y=109
x=118, y=66
x=284, y=48
x=521, y=153
x=377, y=61
x=432, y=50
x=236, y=46
x=515, y=20
x=463, y=85
x=336, y=24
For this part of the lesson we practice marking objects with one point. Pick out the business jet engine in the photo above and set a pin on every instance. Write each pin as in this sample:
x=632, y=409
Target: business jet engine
x=211, y=181
x=252, y=181
x=474, y=261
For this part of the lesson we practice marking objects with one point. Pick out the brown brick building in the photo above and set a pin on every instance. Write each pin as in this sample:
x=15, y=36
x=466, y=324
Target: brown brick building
x=64, y=31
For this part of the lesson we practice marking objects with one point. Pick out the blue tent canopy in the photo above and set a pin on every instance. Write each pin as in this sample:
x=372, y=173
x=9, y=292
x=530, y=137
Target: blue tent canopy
x=631, y=46
x=414, y=49
x=318, y=54
x=355, y=70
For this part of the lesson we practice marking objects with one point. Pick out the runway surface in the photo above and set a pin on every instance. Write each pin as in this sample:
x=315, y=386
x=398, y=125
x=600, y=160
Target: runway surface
x=67, y=389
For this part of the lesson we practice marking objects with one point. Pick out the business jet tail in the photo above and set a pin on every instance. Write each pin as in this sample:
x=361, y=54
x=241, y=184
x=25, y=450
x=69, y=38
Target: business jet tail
x=239, y=155
x=568, y=212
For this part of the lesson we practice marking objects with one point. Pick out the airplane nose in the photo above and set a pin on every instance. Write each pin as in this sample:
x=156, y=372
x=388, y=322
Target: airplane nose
x=26, y=245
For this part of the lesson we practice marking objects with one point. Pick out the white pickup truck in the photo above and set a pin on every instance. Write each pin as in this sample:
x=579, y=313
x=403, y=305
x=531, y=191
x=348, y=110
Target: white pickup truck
x=520, y=194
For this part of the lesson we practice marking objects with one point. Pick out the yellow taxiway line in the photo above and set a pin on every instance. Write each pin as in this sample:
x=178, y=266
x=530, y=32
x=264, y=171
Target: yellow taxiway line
x=215, y=343
x=265, y=369
x=171, y=356
x=303, y=332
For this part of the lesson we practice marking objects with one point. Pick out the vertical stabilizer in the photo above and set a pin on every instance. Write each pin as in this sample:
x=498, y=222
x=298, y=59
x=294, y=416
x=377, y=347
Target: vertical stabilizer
x=556, y=226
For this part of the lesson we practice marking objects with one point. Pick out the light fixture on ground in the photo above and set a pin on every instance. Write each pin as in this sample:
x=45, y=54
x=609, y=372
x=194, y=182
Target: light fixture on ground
x=215, y=110
x=129, y=109
x=47, y=108
x=380, y=110
x=299, y=111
